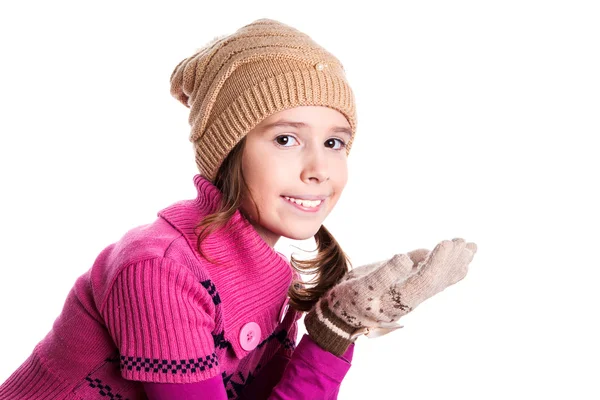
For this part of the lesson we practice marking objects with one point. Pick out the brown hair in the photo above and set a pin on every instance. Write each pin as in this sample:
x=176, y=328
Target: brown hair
x=330, y=263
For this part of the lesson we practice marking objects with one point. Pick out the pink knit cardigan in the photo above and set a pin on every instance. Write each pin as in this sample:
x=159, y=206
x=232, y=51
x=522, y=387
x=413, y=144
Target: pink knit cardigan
x=152, y=309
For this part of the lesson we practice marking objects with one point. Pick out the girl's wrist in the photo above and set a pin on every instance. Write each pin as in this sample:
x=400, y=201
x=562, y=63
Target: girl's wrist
x=327, y=330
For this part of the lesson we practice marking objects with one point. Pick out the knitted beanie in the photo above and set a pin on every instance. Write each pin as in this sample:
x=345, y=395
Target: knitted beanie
x=235, y=81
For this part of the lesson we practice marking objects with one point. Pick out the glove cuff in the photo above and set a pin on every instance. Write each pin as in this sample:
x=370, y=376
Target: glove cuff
x=327, y=330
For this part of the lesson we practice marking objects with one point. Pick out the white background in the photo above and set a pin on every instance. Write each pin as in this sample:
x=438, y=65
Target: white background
x=476, y=119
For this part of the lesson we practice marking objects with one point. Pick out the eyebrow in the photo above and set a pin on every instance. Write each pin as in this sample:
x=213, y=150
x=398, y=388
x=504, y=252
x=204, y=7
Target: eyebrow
x=295, y=124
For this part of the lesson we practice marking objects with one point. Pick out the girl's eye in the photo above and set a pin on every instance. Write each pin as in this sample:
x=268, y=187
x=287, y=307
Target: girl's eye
x=342, y=143
x=283, y=143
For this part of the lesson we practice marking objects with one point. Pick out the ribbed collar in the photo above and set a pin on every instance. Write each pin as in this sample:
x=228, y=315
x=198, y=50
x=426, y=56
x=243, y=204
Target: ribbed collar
x=251, y=277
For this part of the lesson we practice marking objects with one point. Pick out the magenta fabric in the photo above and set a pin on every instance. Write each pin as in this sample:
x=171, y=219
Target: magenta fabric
x=310, y=374
x=208, y=389
x=153, y=309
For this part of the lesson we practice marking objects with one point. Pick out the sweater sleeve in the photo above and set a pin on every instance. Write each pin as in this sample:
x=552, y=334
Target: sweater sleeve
x=161, y=319
x=310, y=373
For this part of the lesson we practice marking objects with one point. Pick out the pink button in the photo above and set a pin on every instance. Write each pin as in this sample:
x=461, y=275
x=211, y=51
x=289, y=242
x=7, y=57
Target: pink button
x=284, y=309
x=250, y=336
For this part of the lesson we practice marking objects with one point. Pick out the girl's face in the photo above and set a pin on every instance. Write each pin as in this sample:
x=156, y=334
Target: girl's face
x=297, y=153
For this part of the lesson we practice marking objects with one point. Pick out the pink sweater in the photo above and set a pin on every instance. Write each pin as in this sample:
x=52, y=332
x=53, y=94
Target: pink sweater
x=151, y=309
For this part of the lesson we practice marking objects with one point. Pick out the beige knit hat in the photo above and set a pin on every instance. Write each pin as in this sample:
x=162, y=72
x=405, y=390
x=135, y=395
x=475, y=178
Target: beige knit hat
x=235, y=81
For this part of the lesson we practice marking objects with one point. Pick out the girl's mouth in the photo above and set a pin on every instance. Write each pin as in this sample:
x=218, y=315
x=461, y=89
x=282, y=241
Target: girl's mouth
x=307, y=206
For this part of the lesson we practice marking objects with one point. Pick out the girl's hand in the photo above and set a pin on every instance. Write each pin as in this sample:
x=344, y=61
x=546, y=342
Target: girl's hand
x=446, y=265
x=371, y=297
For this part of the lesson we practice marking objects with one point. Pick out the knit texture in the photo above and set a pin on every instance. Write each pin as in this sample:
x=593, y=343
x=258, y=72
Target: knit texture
x=152, y=309
x=371, y=298
x=363, y=300
x=236, y=81
x=328, y=330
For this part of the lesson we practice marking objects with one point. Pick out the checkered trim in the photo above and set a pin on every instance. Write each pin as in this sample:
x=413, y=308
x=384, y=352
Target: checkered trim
x=103, y=390
x=212, y=290
x=169, y=366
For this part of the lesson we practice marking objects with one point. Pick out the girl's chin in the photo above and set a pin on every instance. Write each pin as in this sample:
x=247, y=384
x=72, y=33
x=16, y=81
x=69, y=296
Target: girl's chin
x=300, y=235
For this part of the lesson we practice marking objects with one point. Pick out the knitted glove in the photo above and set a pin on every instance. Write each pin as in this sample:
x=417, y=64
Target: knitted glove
x=371, y=297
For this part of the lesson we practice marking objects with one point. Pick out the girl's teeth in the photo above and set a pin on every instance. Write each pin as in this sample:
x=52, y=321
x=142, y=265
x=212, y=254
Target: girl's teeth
x=305, y=203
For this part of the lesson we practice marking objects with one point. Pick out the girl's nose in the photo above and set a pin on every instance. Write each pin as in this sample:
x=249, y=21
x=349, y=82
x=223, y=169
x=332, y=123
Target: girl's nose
x=315, y=168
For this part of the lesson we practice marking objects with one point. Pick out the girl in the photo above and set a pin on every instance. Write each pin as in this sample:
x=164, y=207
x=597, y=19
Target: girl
x=198, y=304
